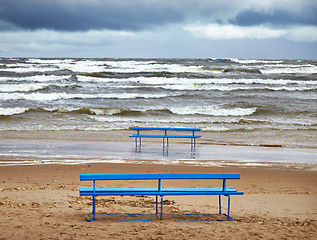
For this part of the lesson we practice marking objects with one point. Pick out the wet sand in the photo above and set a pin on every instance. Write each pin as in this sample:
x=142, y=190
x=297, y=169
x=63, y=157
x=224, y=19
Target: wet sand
x=42, y=202
x=50, y=151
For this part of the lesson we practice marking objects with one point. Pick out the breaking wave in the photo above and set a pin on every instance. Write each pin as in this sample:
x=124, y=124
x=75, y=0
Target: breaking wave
x=57, y=96
x=211, y=111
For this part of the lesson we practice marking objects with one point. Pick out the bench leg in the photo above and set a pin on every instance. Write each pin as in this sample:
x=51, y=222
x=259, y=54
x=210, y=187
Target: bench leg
x=93, y=210
x=220, y=204
x=228, y=207
x=161, y=207
x=156, y=205
x=136, y=142
x=220, y=212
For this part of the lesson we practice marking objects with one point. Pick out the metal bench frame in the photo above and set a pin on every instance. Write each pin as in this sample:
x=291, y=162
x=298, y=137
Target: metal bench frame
x=166, y=136
x=159, y=191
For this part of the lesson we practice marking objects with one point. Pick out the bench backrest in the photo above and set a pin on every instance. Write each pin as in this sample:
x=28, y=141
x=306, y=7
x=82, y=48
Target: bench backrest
x=165, y=129
x=156, y=176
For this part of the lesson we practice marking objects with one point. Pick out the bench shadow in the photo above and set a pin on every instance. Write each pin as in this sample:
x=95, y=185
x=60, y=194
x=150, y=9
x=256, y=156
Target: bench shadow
x=147, y=217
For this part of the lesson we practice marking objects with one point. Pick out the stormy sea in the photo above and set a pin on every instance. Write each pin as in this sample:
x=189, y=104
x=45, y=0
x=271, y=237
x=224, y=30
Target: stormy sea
x=233, y=101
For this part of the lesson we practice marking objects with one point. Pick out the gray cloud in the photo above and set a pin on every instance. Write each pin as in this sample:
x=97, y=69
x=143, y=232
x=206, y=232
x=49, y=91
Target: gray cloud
x=158, y=28
x=278, y=17
x=86, y=15
x=133, y=15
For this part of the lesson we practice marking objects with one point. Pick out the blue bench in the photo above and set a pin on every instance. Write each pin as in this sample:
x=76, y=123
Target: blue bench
x=159, y=191
x=166, y=135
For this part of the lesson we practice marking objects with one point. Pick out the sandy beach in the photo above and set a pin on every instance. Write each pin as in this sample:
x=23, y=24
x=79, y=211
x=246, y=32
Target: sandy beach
x=211, y=87
x=42, y=202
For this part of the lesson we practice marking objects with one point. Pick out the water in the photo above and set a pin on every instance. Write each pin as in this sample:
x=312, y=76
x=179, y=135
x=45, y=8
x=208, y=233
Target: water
x=21, y=152
x=235, y=101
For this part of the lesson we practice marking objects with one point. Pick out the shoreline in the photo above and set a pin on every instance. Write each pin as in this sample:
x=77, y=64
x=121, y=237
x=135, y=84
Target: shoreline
x=37, y=151
x=222, y=164
x=278, y=203
x=241, y=138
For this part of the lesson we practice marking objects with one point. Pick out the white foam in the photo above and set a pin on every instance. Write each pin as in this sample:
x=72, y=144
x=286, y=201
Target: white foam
x=209, y=111
x=213, y=111
x=56, y=96
x=61, y=109
x=291, y=88
x=36, y=78
x=309, y=69
x=253, y=61
x=148, y=66
x=161, y=120
x=87, y=66
x=21, y=87
x=50, y=61
x=25, y=68
x=189, y=81
x=96, y=79
x=12, y=111
x=103, y=111
x=207, y=87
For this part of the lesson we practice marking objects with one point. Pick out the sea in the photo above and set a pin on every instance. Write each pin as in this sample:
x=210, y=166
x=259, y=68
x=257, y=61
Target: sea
x=253, y=102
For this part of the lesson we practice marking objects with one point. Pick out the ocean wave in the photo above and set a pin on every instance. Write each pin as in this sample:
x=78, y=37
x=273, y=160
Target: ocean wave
x=96, y=78
x=57, y=96
x=12, y=111
x=35, y=78
x=149, y=120
x=26, y=68
x=38, y=65
x=49, y=61
x=118, y=66
x=255, y=61
x=234, y=88
x=192, y=87
x=133, y=66
x=105, y=111
x=142, y=83
x=188, y=81
x=125, y=125
x=188, y=120
x=214, y=111
x=22, y=87
x=310, y=69
x=84, y=66
x=211, y=111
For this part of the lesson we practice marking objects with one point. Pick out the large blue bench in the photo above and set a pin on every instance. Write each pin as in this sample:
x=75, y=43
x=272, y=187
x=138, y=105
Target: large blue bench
x=165, y=134
x=159, y=191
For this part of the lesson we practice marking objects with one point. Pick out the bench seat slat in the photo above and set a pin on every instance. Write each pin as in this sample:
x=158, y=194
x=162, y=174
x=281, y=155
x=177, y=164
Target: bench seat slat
x=163, y=129
x=154, y=191
x=156, y=176
x=165, y=136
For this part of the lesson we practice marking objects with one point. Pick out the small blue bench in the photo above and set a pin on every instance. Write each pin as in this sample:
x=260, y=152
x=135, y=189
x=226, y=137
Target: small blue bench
x=166, y=135
x=159, y=191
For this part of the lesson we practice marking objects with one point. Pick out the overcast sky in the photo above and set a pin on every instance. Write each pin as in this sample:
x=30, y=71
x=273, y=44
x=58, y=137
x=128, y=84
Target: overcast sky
x=159, y=28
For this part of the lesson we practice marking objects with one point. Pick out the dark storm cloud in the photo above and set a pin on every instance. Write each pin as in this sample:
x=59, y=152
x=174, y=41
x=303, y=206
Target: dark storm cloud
x=72, y=15
x=278, y=17
x=83, y=15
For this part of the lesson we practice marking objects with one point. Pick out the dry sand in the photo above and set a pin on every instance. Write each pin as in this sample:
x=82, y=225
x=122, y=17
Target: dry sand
x=42, y=202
